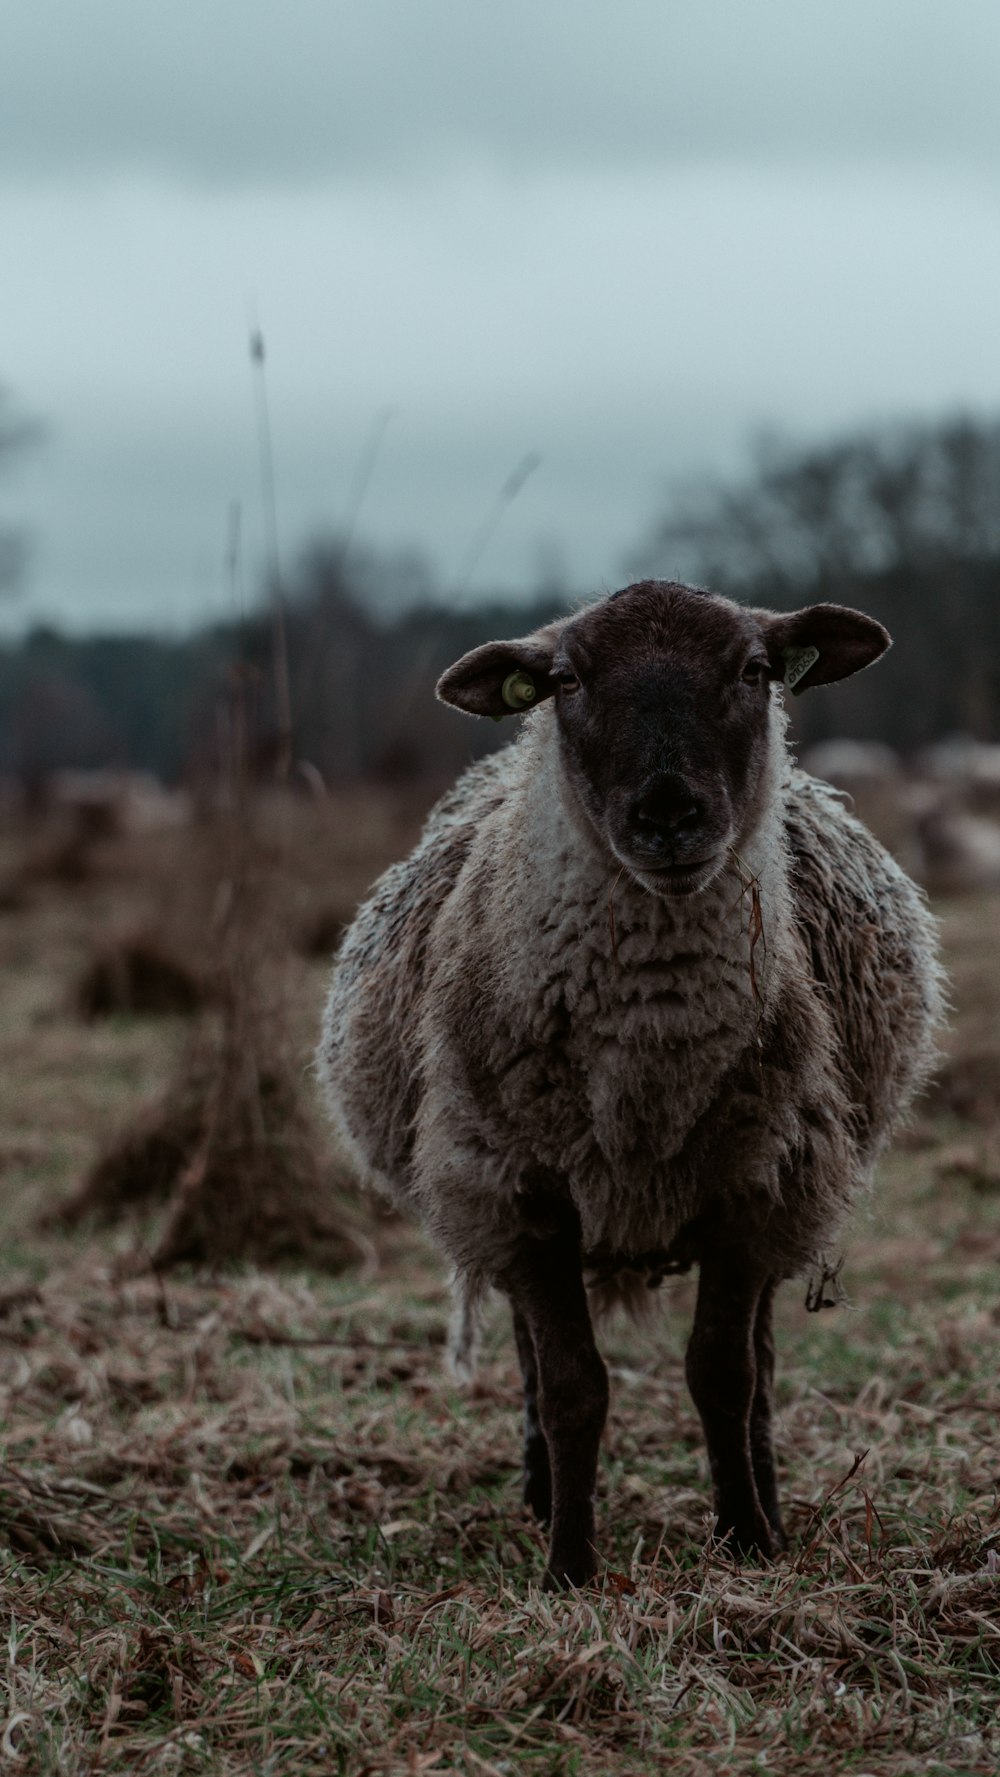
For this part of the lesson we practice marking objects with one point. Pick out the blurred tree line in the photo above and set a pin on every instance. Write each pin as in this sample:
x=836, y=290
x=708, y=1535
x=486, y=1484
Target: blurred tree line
x=362, y=687
x=904, y=523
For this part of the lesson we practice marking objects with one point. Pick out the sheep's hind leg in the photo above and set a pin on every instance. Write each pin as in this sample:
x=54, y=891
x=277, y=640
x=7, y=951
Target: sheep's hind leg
x=722, y=1376
x=545, y=1284
x=761, y=1445
x=537, y=1472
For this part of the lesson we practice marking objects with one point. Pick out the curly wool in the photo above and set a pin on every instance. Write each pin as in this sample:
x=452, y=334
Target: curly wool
x=508, y=1015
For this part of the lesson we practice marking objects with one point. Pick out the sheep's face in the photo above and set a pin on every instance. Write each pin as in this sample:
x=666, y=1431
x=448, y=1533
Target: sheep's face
x=662, y=698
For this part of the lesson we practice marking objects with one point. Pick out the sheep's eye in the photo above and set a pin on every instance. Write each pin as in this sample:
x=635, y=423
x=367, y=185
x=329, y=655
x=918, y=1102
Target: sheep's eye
x=754, y=672
x=567, y=681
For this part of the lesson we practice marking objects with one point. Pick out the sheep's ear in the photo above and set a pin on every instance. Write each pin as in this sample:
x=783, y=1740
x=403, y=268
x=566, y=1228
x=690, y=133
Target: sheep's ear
x=821, y=643
x=500, y=679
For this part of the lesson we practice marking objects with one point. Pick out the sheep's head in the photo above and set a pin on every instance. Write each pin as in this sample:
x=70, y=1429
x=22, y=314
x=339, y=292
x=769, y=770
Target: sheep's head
x=662, y=699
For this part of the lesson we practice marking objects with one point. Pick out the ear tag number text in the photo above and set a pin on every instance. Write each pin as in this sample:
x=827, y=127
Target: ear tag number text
x=797, y=663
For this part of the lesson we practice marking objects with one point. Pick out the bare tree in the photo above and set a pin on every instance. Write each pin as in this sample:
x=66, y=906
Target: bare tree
x=816, y=517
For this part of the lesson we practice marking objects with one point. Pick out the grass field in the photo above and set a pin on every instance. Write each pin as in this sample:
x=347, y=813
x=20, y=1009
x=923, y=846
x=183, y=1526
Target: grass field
x=249, y=1524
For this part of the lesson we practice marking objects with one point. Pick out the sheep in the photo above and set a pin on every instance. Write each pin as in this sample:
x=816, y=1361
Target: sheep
x=959, y=851
x=644, y=996
x=853, y=765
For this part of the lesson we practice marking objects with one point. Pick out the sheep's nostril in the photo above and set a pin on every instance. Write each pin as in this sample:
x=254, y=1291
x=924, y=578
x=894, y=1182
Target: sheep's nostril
x=666, y=815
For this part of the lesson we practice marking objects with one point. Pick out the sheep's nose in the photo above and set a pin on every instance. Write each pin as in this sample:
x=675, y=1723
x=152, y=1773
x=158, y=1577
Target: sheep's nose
x=668, y=809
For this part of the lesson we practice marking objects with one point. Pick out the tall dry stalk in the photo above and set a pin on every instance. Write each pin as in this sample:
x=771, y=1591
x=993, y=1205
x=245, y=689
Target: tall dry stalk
x=282, y=686
x=481, y=537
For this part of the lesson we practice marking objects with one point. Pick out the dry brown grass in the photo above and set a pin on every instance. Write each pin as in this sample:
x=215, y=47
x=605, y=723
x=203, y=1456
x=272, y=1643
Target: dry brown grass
x=251, y=1525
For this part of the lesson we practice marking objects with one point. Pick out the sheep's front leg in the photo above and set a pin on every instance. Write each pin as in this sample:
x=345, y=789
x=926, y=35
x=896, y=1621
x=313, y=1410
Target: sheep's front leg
x=761, y=1445
x=722, y=1376
x=545, y=1284
x=537, y=1470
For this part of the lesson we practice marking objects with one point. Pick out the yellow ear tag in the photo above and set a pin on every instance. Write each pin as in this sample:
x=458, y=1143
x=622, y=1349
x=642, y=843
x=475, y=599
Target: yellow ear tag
x=518, y=690
x=798, y=662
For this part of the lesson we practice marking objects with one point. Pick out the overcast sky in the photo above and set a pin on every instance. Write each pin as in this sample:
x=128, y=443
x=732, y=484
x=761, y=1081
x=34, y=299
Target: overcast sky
x=622, y=234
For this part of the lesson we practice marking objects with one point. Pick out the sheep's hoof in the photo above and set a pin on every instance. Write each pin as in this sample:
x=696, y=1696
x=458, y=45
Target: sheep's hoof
x=757, y=1541
x=574, y=1571
x=561, y=1580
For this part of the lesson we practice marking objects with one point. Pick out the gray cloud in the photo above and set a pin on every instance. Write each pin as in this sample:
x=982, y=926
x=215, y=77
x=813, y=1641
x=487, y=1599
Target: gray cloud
x=243, y=92
x=631, y=328
x=623, y=233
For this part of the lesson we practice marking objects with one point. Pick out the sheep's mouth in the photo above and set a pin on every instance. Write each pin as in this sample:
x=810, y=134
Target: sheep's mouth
x=678, y=879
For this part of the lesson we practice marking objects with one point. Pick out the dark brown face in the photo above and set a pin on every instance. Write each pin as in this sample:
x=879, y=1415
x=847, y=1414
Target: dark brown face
x=662, y=699
x=662, y=703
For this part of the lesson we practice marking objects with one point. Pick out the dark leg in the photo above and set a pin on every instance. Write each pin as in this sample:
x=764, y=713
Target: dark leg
x=761, y=1446
x=537, y=1474
x=545, y=1286
x=722, y=1377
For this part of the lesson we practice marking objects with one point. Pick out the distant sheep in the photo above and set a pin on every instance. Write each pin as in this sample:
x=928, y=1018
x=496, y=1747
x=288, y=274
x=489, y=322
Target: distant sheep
x=853, y=764
x=644, y=996
x=959, y=853
x=968, y=770
x=111, y=801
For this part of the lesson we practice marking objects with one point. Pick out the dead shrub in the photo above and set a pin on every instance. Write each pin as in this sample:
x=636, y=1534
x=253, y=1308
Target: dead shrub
x=142, y=1163
x=232, y=1149
x=13, y=897
x=259, y=1183
x=137, y=974
x=320, y=936
x=968, y=1085
x=65, y=861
